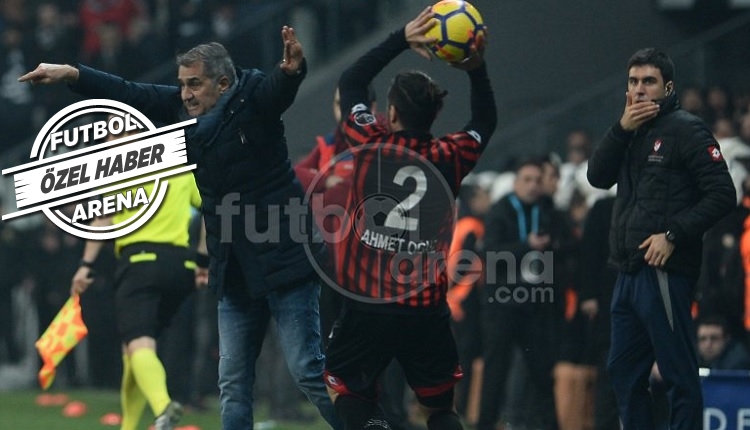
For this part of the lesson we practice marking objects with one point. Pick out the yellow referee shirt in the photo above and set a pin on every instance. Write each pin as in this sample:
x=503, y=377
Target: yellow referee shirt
x=169, y=225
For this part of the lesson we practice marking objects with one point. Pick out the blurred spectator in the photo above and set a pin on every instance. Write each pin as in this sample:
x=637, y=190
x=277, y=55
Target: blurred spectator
x=518, y=224
x=741, y=104
x=719, y=103
x=551, y=176
x=503, y=182
x=717, y=348
x=744, y=132
x=734, y=151
x=16, y=101
x=22, y=374
x=111, y=55
x=142, y=42
x=10, y=264
x=13, y=13
x=116, y=52
x=94, y=13
x=723, y=128
x=54, y=256
x=577, y=213
x=597, y=282
x=189, y=23
x=56, y=39
x=573, y=171
x=692, y=100
x=721, y=282
x=463, y=294
x=223, y=21
x=579, y=147
x=573, y=376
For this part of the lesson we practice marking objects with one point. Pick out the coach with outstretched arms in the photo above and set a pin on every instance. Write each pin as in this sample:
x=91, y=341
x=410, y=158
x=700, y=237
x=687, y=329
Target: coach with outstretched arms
x=243, y=173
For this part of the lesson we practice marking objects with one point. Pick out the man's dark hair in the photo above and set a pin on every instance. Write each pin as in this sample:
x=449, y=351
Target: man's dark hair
x=215, y=58
x=553, y=160
x=715, y=319
x=417, y=99
x=535, y=161
x=656, y=58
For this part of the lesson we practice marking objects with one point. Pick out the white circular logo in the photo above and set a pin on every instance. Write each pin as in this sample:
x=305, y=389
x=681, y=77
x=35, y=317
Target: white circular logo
x=101, y=148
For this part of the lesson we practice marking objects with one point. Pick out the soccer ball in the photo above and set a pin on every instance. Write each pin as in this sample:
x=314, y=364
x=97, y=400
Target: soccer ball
x=459, y=24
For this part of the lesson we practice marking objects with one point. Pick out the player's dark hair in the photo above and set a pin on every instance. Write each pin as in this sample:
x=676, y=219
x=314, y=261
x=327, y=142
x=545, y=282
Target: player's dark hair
x=656, y=58
x=417, y=99
x=215, y=58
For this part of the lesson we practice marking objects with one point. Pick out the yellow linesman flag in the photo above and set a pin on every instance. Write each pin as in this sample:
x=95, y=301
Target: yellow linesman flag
x=62, y=335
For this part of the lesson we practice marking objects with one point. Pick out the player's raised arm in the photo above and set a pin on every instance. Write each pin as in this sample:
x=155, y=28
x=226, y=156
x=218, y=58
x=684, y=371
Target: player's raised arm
x=483, y=108
x=354, y=81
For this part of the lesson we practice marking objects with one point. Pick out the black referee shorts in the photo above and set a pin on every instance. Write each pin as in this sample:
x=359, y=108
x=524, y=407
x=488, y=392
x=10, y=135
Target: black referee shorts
x=363, y=343
x=151, y=282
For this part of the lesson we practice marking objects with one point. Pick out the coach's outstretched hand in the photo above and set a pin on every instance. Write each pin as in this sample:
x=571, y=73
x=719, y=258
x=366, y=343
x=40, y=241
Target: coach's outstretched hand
x=50, y=74
x=415, y=32
x=293, y=54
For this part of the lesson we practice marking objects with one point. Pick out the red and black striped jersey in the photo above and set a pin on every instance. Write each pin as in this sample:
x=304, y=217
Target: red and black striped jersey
x=393, y=248
x=401, y=211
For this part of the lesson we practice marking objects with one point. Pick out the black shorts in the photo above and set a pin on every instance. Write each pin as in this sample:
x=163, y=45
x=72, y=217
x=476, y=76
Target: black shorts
x=363, y=343
x=151, y=282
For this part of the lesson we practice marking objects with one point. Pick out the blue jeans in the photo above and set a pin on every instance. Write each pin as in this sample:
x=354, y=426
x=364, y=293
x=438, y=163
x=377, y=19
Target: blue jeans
x=242, y=326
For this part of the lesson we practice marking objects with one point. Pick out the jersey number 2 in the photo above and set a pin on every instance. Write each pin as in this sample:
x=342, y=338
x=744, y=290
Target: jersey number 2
x=396, y=218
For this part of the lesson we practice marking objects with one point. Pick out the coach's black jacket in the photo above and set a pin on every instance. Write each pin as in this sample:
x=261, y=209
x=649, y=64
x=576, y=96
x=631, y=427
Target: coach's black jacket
x=670, y=176
x=242, y=165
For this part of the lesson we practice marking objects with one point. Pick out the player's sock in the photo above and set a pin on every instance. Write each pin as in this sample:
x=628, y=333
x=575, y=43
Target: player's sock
x=151, y=378
x=356, y=413
x=444, y=420
x=132, y=400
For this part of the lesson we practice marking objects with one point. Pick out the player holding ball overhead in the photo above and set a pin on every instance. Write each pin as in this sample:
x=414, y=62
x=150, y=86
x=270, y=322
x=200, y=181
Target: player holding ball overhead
x=401, y=208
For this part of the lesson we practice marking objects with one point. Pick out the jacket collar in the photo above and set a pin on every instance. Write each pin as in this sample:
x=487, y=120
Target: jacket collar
x=670, y=104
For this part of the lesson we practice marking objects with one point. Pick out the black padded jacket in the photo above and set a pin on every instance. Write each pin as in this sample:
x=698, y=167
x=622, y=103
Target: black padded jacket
x=670, y=176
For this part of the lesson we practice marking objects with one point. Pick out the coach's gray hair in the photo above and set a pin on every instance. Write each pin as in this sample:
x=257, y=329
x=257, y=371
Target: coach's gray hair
x=215, y=58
